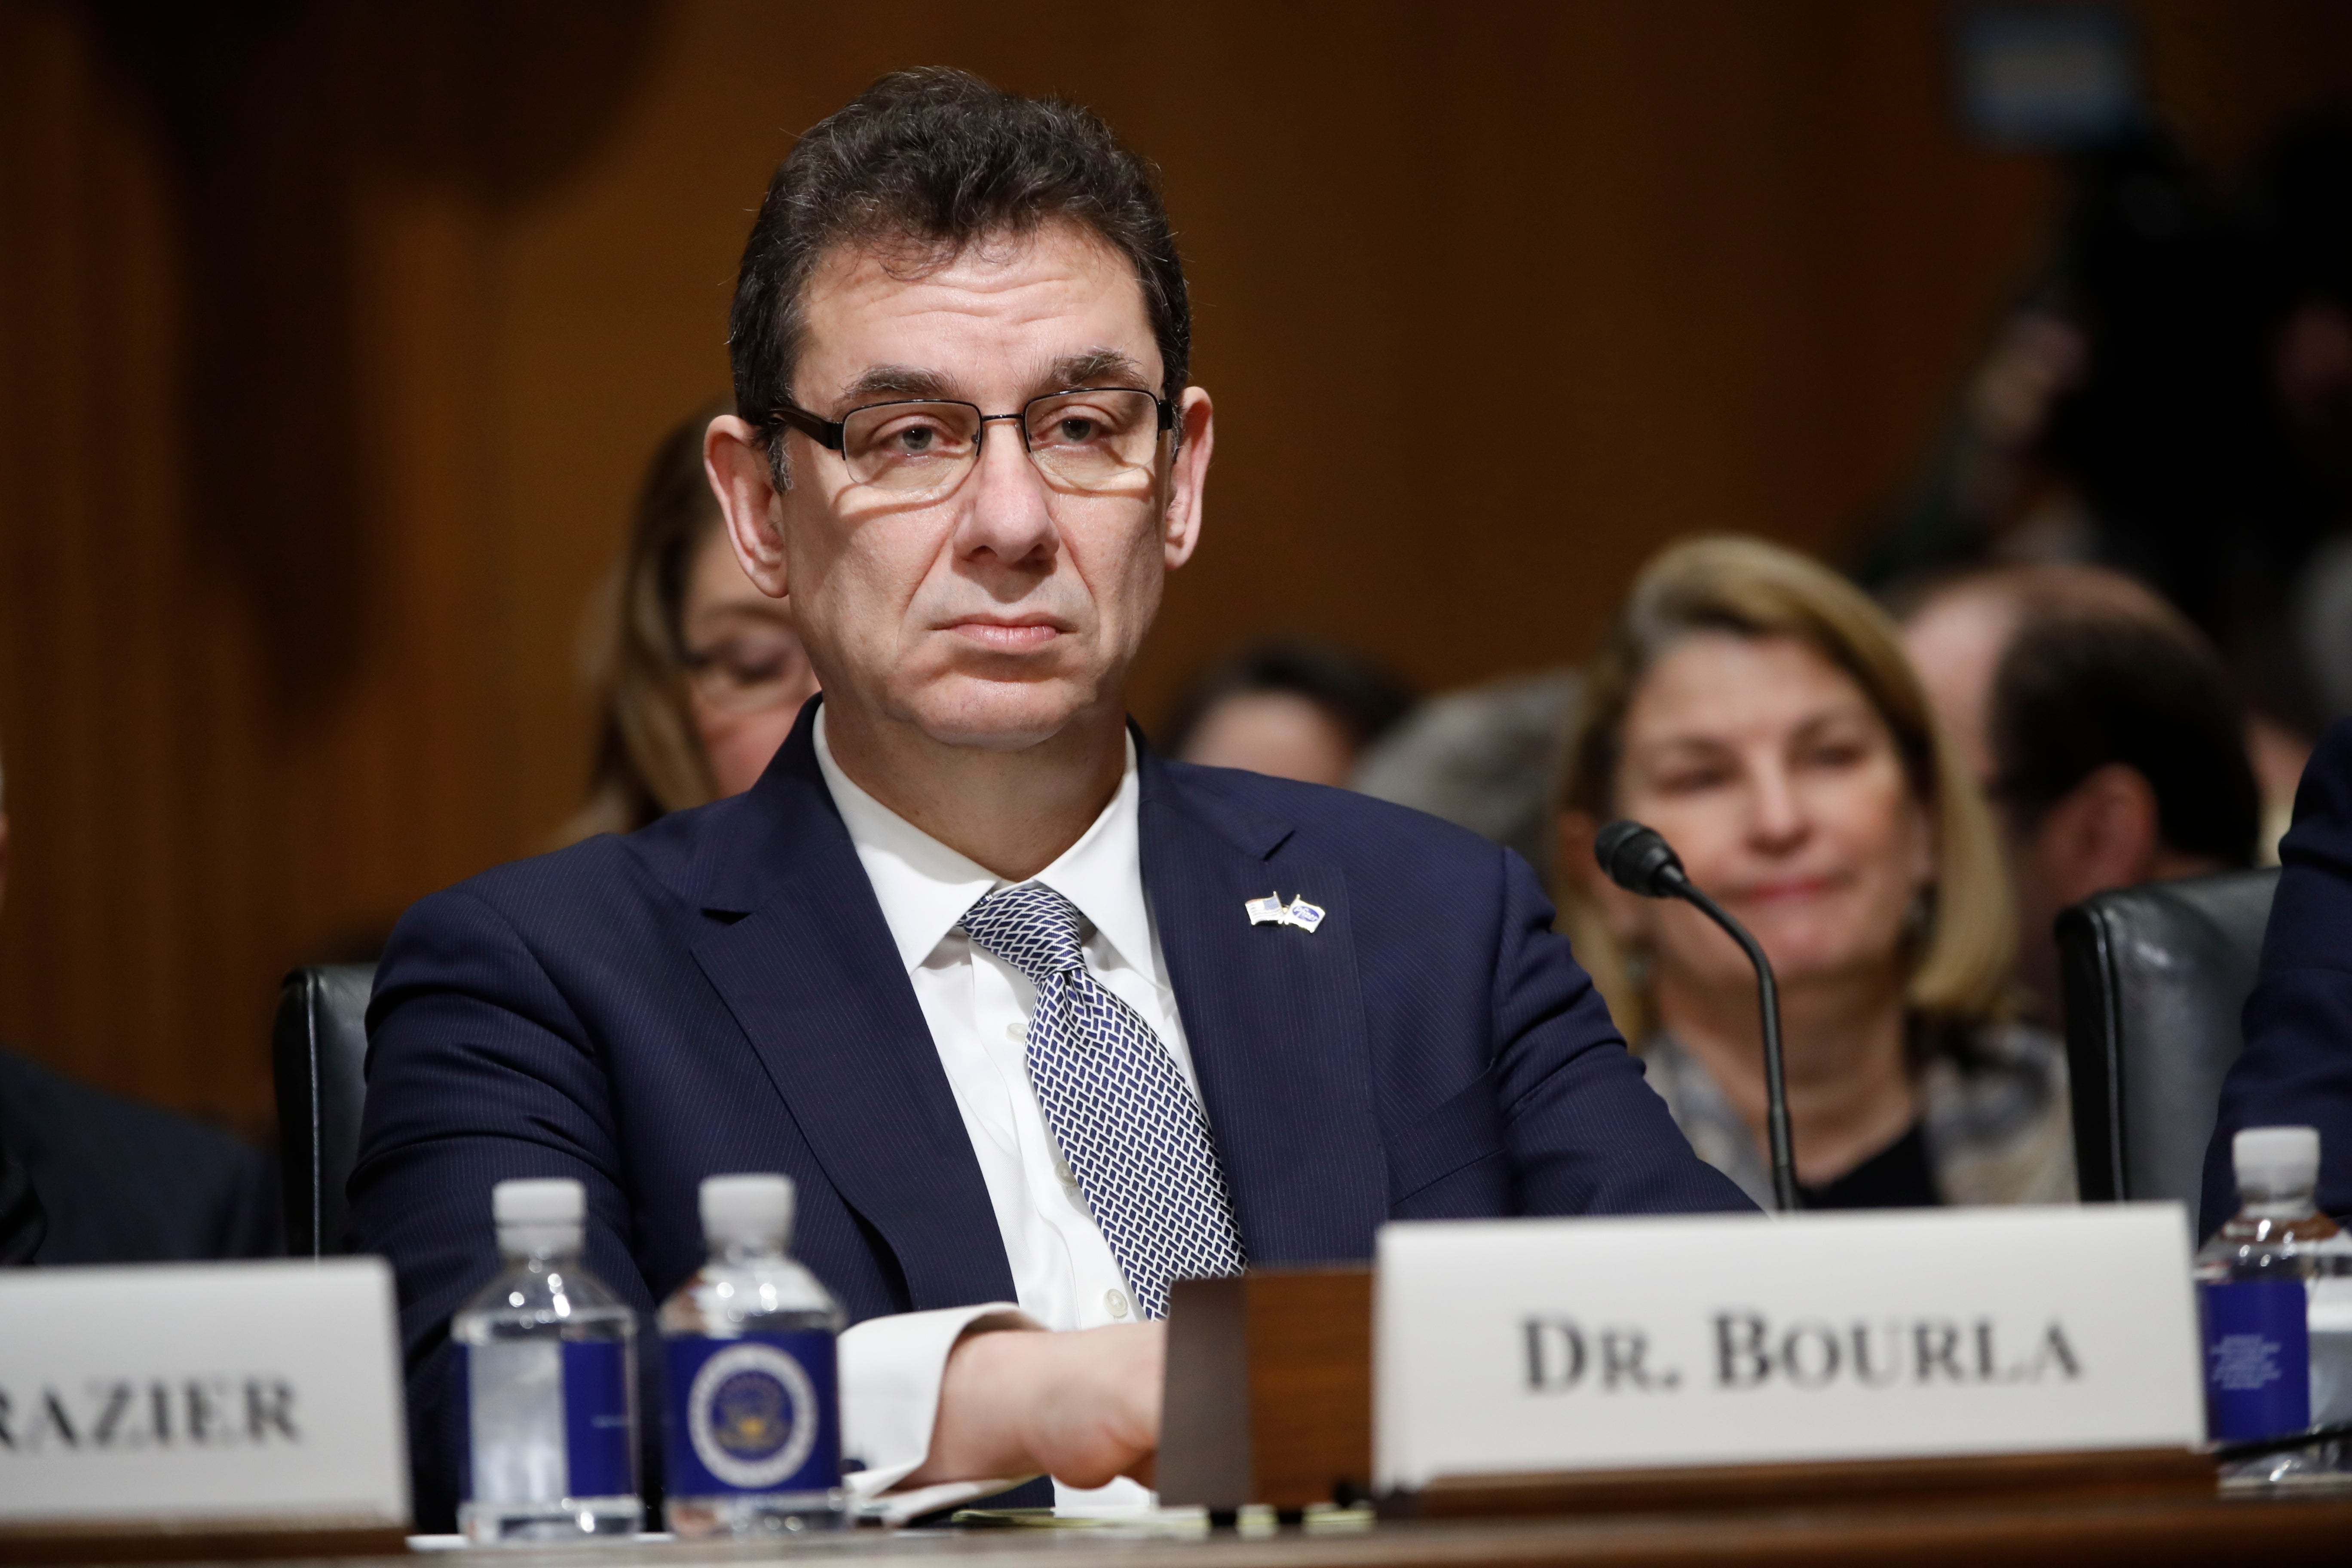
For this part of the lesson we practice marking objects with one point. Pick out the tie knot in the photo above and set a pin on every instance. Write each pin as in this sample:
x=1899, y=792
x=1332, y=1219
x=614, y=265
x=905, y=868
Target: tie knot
x=1030, y=927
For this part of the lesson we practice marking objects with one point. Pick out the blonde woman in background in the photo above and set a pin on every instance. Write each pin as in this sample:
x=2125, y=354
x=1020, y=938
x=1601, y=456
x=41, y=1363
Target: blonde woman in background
x=699, y=676
x=1756, y=709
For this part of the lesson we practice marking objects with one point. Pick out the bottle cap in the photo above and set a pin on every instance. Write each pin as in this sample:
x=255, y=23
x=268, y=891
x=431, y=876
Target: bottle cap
x=540, y=1214
x=748, y=1211
x=2276, y=1159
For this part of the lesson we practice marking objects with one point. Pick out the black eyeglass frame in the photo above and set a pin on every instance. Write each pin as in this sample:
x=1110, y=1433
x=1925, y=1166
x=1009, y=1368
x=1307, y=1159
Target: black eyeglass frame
x=827, y=433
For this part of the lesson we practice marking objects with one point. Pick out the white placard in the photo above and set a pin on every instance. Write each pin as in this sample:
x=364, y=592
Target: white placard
x=202, y=1391
x=1532, y=1345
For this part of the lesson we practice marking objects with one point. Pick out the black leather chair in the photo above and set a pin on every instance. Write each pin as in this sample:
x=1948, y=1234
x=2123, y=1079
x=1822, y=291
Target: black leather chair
x=318, y=1053
x=2155, y=977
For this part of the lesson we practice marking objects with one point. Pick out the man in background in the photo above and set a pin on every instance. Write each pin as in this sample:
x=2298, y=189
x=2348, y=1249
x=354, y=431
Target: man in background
x=2104, y=729
x=88, y=1177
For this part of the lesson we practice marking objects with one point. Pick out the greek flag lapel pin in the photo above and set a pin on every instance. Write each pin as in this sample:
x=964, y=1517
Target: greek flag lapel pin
x=1303, y=915
x=1268, y=908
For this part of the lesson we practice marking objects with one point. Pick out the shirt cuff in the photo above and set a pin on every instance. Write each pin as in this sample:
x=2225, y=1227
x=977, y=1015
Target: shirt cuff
x=891, y=1373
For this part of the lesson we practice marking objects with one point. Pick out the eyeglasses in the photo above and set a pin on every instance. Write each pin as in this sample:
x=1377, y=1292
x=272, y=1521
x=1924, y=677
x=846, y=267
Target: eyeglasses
x=1089, y=439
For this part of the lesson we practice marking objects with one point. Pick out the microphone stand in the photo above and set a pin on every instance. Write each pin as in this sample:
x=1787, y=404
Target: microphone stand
x=1768, y=1003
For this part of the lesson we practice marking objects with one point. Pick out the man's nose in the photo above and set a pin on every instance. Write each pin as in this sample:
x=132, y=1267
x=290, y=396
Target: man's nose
x=1005, y=511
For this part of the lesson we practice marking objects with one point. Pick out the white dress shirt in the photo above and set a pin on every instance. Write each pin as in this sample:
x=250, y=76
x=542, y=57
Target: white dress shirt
x=978, y=1007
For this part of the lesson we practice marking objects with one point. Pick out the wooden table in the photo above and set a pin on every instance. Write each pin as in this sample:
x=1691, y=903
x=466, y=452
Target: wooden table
x=2267, y=1530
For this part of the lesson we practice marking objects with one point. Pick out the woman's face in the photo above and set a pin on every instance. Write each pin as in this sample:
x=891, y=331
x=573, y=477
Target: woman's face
x=1771, y=772
x=747, y=674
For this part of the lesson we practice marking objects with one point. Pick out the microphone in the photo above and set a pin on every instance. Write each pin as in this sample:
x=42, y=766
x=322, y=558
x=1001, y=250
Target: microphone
x=1641, y=861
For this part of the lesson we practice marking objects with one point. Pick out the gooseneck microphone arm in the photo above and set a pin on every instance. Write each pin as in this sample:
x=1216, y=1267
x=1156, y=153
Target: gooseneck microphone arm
x=1768, y=1002
x=1640, y=861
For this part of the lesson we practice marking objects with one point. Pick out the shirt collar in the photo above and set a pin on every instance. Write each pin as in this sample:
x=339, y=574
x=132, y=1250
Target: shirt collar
x=924, y=887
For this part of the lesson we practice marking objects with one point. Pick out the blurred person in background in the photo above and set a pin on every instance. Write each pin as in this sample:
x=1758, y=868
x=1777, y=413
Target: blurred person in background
x=89, y=1177
x=2297, y=206
x=698, y=675
x=1485, y=758
x=2104, y=729
x=1756, y=709
x=2120, y=411
x=1290, y=708
x=2173, y=399
x=1957, y=625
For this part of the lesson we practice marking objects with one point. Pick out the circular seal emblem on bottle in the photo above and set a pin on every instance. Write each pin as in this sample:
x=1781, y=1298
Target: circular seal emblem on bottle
x=751, y=1416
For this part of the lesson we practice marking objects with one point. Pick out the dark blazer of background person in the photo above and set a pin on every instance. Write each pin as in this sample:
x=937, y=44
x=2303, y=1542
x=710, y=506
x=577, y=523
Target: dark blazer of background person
x=2296, y=1069
x=23, y=1225
x=118, y=1182
x=720, y=993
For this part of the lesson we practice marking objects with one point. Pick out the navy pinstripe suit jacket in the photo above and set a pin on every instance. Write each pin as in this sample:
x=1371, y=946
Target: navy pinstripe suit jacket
x=720, y=993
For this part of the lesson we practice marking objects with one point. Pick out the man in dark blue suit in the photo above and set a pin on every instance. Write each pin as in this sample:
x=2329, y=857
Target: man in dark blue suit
x=1036, y=1021
x=2296, y=1069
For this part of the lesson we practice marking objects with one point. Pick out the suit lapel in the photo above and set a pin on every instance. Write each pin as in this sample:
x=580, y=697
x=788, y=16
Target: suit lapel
x=1274, y=1020
x=810, y=973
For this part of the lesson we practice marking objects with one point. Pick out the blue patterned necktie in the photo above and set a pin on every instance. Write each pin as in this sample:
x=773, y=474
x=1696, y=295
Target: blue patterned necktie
x=1118, y=1107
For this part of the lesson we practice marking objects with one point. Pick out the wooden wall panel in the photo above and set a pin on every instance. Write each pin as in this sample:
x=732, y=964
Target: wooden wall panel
x=91, y=579
x=1493, y=301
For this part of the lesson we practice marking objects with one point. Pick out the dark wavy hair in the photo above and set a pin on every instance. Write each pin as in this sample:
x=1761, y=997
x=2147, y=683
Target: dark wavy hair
x=924, y=163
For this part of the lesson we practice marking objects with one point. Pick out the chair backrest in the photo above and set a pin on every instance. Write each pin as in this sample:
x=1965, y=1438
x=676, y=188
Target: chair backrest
x=318, y=1056
x=2155, y=977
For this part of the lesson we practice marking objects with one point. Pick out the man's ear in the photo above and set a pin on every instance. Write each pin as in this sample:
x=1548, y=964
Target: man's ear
x=1196, y=428
x=735, y=459
x=2102, y=834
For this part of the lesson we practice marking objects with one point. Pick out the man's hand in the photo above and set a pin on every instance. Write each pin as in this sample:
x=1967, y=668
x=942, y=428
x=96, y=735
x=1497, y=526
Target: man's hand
x=1083, y=1408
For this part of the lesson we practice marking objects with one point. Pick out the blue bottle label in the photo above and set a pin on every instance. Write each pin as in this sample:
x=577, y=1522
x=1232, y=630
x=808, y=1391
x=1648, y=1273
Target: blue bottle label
x=753, y=1414
x=2257, y=1358
x=598, y=1443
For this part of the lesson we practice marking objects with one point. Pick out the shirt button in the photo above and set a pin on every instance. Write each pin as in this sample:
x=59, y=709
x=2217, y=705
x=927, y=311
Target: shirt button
x=1069, y=1177
x=1115, y=1300
x=1017, y=1031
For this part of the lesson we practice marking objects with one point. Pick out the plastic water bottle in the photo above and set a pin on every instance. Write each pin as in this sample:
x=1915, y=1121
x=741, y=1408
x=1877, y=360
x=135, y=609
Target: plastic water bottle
x=2330, y=1323
x=2274, y=1289
x=548, y=1358
x=754, y=1422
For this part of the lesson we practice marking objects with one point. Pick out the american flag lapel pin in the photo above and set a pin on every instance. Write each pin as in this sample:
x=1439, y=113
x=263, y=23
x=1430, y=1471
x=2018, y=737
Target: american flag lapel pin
x=1268, y=908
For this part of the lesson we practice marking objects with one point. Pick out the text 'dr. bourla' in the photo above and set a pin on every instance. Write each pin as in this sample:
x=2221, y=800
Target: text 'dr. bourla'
x=1749, y=1350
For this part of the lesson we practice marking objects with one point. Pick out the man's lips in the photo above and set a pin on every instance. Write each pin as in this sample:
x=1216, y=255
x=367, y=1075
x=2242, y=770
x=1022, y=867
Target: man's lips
x=1021, y=636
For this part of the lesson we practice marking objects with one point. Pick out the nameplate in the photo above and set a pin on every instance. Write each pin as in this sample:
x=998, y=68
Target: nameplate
x=1532, y=1345
x=195, y=1392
